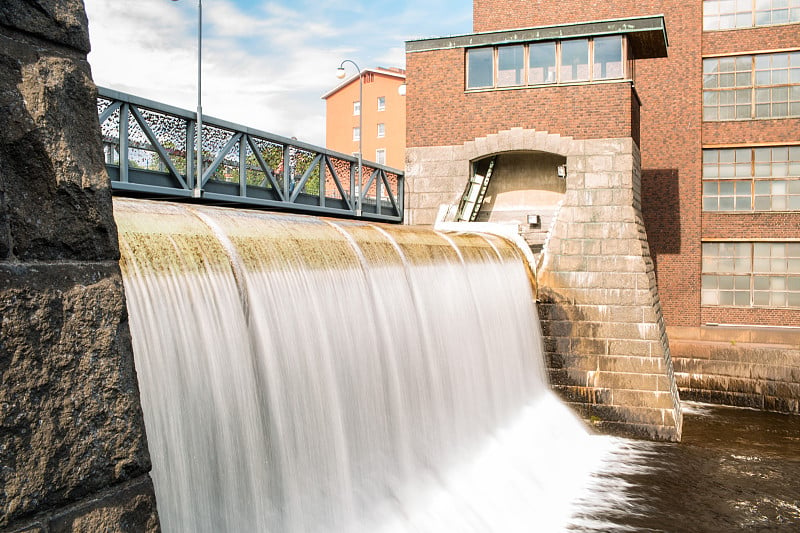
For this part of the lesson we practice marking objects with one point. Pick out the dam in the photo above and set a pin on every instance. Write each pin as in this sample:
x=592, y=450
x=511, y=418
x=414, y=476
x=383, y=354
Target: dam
x=307, y=374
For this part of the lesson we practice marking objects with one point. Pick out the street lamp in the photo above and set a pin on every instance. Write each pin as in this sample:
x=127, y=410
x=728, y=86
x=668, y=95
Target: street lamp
x=340, y=73
x=198, y=180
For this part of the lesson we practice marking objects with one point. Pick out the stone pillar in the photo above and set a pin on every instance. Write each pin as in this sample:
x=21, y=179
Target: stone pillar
x=73, y=452
x=605, y=339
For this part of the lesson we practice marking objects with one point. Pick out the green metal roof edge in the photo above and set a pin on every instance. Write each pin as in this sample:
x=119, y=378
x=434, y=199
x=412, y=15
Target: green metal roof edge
x=632, y=25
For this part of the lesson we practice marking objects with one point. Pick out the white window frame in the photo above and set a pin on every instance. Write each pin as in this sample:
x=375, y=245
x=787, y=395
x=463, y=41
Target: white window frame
x=381, y=103
x=746, y=14
x=751, y=179
x=356, y=108
x=381, y=130
x=752, y=274
x=380, y=156
x=356, y=133
x=751, y=86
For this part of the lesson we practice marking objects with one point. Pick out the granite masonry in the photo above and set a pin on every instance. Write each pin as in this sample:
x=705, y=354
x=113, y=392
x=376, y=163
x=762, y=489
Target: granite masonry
x=73, y=452
x=605, y=339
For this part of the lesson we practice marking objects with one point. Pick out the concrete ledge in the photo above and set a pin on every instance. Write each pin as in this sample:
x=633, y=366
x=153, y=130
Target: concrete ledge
x=744, y=367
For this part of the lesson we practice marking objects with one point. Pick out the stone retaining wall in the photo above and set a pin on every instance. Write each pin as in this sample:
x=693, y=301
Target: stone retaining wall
x=745, y=367
x=73, y=452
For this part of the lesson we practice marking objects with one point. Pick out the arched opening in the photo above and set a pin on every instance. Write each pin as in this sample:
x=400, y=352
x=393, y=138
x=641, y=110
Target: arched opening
x=524, y=189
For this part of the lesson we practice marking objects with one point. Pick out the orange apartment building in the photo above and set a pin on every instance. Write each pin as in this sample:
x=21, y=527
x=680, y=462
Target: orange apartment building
x=383, y=113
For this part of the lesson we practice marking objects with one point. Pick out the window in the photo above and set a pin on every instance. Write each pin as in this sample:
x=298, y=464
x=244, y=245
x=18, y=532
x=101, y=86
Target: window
x=575, y=60
x=381, y=130
x=752, y=179
x=380, y=156
x=381, y=103
x=356, y=108
x=751, y=274
x=356, y=134
x=749, y=87
x=510, y=66
x=480, y=68
x=729, y=14
x=540, y=63
x=607, y=58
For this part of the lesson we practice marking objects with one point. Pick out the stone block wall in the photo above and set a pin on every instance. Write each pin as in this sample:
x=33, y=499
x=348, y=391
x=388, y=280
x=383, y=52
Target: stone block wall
x=745, y=367
x=605, y=338
x=73, y=452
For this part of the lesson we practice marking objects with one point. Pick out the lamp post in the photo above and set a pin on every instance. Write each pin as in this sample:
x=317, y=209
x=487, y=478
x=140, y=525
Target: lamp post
x=340, y=74
x=198, y=182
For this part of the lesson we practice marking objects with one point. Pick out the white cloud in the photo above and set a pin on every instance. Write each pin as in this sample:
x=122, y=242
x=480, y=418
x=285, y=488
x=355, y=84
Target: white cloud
x=264, y=66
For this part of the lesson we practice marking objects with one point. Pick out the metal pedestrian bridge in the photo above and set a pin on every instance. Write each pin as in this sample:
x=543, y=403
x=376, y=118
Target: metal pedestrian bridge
x=150, y=151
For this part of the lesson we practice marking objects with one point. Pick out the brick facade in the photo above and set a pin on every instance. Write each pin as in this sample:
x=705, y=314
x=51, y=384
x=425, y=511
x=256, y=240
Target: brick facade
x=581, y=111
x=673, y=134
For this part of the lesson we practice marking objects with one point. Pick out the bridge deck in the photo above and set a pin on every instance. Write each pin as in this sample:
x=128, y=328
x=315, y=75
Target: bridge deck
x=150, y=150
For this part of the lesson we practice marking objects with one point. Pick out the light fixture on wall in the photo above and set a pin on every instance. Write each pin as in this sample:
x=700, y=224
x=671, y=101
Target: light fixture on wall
x=534, y=220
x=562, y=171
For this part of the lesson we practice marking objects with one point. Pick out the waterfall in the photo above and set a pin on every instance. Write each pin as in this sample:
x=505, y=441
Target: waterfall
x=302, y=374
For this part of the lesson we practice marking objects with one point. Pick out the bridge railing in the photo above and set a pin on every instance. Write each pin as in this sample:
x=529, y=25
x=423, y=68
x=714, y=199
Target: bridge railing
x=150, y=149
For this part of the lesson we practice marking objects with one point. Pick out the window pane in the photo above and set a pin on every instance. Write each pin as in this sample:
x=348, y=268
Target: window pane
x=742, y=298
x=709, y=298
x=480, y=68
x=607, y=57
x=542, y=63
x=575, y=60
x=760, y=298
x=510, y=64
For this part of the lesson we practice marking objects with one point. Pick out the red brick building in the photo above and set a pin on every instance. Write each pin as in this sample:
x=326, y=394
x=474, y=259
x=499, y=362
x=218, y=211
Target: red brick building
x=709, y=92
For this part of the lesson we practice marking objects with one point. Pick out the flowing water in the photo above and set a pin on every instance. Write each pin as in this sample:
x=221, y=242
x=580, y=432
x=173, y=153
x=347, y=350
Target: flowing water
x=299, y=374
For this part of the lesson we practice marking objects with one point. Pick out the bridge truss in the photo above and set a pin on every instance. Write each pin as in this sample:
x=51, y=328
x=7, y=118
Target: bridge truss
x=150, y=150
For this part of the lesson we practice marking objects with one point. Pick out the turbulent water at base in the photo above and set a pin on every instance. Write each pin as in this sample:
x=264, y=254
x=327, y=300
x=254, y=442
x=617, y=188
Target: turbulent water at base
x=299, y=374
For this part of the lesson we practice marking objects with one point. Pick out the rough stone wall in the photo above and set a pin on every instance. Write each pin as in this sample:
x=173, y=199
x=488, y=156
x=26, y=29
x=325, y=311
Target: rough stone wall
x=746, y=367
x=73, y=452
x=605, y=338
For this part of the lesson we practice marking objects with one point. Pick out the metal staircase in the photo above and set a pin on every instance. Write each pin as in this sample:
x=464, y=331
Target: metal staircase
x=474, y=194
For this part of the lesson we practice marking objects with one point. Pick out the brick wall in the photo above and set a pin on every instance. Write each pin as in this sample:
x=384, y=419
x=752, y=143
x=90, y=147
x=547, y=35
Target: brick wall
x=491, y=15
x=436, y=89
x=672, y=137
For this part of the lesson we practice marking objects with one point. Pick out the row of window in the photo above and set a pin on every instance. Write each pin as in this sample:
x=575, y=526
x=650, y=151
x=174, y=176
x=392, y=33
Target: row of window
x=751, y=87
x=751, y=274
x=381, y=132
x=548, y=62
x=381, y=106
x=752, y=179
x=729, y=14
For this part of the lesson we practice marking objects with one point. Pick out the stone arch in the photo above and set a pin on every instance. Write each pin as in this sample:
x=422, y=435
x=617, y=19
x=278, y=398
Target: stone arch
x=528, y=181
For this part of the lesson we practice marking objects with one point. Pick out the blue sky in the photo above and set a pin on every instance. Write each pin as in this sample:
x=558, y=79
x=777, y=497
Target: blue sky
x=265, y=63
